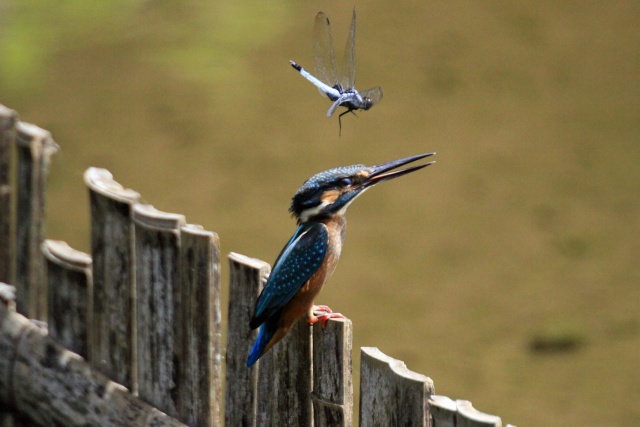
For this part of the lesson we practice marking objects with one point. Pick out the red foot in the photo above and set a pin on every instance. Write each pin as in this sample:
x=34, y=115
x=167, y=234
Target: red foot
x=324, y=318
x=322, y=308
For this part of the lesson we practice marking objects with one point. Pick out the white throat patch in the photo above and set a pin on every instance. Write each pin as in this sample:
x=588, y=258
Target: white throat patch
x=308, y=213
x=311, y=212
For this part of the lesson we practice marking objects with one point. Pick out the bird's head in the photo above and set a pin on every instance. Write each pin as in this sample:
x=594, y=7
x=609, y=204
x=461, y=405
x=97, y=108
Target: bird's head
x=329, y=193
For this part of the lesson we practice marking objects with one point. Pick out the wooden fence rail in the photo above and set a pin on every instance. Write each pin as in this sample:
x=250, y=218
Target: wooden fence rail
x=133, y=329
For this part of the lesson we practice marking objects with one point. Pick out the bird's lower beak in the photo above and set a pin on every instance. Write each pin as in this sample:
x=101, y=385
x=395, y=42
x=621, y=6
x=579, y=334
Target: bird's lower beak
x=385, y=171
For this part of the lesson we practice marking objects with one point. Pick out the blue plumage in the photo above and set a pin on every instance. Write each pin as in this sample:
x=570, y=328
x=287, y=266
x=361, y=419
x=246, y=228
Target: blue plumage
x=267, y=330
x=298, y=261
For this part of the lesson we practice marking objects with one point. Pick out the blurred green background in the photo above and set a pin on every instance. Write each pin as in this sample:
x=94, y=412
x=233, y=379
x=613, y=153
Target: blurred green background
x=508, y=272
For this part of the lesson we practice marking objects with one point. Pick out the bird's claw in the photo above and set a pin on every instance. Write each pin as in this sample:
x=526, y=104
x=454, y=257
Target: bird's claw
x=324, y=317
x=322, y=309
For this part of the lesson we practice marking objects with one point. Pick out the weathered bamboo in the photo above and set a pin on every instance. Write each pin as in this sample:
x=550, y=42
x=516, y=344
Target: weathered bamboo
x=246, y=279
x=7, y=343
x=35, y=148
x=8, y=120
x=158, y=320
x=112, y=237
x=391, y=394
x=69, y=291
x=199, y=401
x=443, y=411
x=285, y=381
x=459, y=413
x=468, y=416
x=332, y=373
x=54, y=386
x=10, y=418
x=284, y=377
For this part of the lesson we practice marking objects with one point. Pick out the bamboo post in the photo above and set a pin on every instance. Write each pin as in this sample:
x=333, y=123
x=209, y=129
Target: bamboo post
x=69, y=291
x=35, y=148
x=468, y=416
x=246, y=279
x=391, y=394
x=8, y=120
x=332, y=373
x=443, y=411
x=285, y=381
x=9, y=417
x=277, y=389
x=8, y=332
x=54, y=386
x=112, y=237
x=446, y=412
x=201, y=377
x=158, y=320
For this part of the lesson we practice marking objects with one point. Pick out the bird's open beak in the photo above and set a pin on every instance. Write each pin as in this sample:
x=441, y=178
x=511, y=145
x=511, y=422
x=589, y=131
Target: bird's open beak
x=385, y=171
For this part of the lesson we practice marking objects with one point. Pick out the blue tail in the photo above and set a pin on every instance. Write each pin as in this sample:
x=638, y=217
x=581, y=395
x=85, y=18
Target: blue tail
x=267, y=331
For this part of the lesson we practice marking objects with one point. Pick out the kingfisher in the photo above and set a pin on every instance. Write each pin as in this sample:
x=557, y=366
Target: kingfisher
x=311, y=255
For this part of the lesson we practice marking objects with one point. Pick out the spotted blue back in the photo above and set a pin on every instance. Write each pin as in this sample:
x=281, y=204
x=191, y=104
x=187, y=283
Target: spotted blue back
x=297, y=262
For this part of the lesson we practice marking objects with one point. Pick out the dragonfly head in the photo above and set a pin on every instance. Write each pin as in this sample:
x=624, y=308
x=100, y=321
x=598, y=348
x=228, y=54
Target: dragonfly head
x=370, y=97
x=368, y=103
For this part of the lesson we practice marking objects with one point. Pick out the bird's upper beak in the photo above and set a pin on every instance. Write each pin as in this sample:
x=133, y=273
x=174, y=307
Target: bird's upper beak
x=385, y=171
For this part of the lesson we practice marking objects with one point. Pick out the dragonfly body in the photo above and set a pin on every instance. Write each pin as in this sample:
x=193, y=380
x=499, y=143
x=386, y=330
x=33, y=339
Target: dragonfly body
x=351, y=99
x=341, y=90
x=332, y=93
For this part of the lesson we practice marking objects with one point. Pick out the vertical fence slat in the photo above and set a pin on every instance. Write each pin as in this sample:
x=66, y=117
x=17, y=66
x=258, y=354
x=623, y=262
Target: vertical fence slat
x=158, y=320
x=332, y=373
x=112, y=237
x=247, y=276
x=391, y=394
x=285, y=381
x=8, y=120
x=35, y=148
x=446, y=412
x=200, y=391
x=69, y=291
x=443, y=411
x=8, y=416
x=8, y=337
x=468, y=416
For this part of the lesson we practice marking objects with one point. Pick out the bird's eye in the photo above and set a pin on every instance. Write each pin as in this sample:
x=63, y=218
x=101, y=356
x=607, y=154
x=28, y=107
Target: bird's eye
x=345, y=182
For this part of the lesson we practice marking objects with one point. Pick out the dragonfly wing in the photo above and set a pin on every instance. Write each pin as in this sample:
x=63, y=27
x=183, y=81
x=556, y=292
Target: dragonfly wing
x=323, y=54
x=348, y=72
x=373, y=95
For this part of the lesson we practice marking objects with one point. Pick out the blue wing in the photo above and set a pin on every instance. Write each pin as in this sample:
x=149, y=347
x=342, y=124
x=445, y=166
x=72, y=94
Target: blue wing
x=297, y=262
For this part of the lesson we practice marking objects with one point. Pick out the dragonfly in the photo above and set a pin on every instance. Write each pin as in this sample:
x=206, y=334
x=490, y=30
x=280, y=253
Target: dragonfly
x=339, y=90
